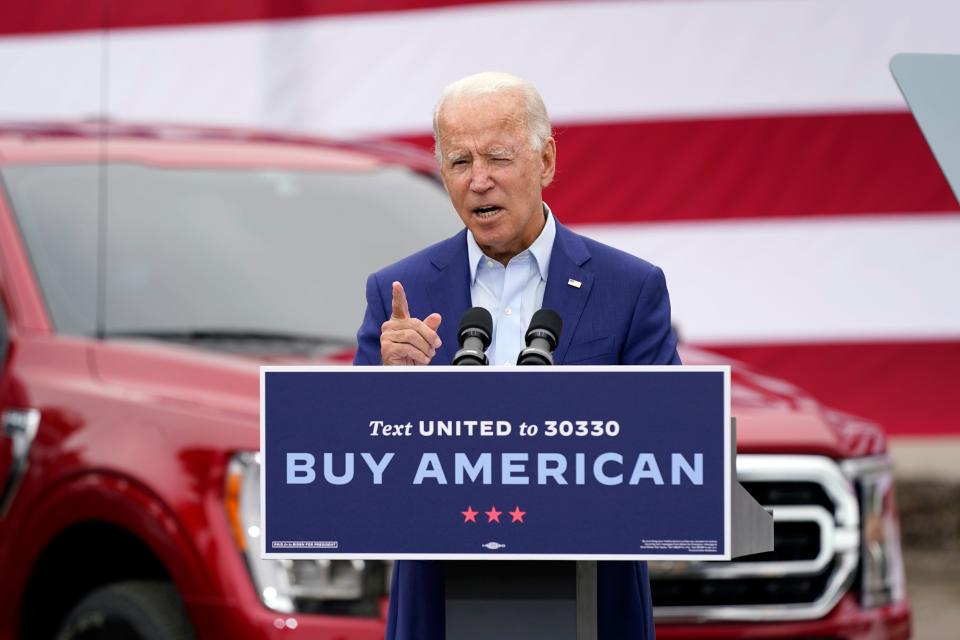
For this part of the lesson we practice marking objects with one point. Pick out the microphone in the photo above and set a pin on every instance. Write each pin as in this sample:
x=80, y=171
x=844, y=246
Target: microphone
x=476, y=327
x=543, y=336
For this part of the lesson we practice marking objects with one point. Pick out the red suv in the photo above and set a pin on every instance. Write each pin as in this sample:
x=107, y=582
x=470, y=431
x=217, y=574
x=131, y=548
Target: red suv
x=146, y=273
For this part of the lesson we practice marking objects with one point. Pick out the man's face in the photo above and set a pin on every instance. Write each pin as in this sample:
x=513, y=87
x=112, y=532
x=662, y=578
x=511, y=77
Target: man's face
x=493, y=177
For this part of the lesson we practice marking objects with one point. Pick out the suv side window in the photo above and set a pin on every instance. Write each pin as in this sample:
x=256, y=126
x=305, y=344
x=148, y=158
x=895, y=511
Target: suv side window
x=55, y=208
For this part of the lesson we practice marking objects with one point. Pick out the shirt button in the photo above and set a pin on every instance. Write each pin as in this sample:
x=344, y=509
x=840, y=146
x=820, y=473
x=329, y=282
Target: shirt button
x=489, y=263
x=507, y=311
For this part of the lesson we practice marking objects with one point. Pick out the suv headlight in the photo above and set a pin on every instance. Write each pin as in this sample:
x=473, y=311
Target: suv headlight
x=882, y=580
x=341, y=587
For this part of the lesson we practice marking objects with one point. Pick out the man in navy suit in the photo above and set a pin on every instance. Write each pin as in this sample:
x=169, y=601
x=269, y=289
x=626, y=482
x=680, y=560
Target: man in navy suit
x=496, y=155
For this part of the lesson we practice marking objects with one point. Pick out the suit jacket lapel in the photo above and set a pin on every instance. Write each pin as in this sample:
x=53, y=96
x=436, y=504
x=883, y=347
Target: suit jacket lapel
x=561, y=294
x=448, y=289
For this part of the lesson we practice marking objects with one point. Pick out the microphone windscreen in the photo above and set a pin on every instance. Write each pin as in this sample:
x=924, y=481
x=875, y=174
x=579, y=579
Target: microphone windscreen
x=476, y=318
x=546, y=319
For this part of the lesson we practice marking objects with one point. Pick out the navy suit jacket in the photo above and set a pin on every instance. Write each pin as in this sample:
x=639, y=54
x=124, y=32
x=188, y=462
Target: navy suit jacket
x=619, y=313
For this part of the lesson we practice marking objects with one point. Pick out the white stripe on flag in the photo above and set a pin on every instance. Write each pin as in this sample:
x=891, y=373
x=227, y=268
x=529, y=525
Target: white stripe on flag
x=809, y=280
x=381, y=72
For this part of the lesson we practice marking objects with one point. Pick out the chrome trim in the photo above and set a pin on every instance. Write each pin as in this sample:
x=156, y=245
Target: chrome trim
x=331, y=589
x=831, y=540
x=836, y=587
x=797, y=468
x=839, y=543
x=20, y=425
x=874, y=465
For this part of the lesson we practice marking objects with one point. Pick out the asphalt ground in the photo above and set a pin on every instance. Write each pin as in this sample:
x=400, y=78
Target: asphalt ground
x=933, y=583
x=928, y=496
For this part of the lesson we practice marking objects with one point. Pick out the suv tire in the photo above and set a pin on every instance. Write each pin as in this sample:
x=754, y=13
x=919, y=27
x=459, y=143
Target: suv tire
x=134, y=610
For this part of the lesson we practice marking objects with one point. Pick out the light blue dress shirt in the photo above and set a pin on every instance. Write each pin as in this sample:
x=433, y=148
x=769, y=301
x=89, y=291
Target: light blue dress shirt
x=513, y=293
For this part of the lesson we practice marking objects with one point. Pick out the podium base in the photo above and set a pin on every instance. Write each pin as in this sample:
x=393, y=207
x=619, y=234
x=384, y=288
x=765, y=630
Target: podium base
x=533, y=600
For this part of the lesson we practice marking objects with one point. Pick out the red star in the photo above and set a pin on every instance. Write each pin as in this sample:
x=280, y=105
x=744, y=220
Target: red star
x=469, y=515
x=517, y=514
x=493, y=515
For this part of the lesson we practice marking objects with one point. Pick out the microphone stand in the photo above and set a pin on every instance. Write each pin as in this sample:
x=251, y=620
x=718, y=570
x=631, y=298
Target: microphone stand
x=520, y=599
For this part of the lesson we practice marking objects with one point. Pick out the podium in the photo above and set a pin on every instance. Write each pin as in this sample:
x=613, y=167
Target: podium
x=520, y=481
x=558, y=600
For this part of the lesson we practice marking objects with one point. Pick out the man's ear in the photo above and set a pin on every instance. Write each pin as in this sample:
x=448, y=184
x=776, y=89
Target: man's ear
x=548, y=156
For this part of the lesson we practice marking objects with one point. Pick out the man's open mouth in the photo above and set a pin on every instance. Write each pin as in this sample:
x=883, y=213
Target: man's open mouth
x=487, y=211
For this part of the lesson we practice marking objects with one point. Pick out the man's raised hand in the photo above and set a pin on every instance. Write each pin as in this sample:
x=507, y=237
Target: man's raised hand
x=405, y=340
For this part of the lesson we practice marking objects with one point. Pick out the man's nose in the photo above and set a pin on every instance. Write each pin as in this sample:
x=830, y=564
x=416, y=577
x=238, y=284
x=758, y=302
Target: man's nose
x=480, y=180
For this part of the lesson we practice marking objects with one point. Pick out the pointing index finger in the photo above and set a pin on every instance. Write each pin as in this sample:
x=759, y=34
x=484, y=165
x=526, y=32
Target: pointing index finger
x=400, y=309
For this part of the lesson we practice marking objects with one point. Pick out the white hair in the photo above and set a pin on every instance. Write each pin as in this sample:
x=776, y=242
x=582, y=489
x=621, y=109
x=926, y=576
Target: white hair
x=487, y=82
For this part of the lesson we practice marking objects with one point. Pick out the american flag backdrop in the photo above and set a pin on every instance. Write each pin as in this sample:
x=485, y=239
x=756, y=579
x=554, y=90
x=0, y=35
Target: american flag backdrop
x=758, y=150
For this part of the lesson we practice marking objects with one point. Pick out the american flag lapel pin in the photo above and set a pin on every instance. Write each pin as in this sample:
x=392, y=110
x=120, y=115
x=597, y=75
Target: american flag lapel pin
x=574, y=283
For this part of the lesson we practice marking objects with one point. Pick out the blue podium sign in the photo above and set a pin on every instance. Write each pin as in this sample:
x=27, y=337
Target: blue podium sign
x=586, y=463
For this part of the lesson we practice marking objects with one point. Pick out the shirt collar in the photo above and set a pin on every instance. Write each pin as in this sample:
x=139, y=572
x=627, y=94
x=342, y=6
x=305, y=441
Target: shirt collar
x=541, y=248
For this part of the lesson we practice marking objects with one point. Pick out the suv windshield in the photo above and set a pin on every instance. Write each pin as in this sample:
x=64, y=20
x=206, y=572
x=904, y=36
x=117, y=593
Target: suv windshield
x=198, y=253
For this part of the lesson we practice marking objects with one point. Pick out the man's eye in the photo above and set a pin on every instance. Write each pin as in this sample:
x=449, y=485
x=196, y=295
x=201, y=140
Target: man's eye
x=458, y=163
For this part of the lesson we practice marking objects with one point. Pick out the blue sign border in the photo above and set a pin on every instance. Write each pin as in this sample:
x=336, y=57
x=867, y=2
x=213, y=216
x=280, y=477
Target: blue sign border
x=728, y=460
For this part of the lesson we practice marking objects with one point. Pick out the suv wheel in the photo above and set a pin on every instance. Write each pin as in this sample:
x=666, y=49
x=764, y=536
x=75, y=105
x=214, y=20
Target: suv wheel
x=129, y=611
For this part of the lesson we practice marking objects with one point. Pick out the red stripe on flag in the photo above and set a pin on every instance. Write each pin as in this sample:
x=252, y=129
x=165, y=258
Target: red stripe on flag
x=788, y=166
x=906, y=387
x=45, y=16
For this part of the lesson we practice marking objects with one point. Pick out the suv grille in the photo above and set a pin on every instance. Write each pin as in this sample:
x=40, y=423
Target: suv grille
x=791, y=541
x=786, y=493
x=816, y=547
x=736, y=592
